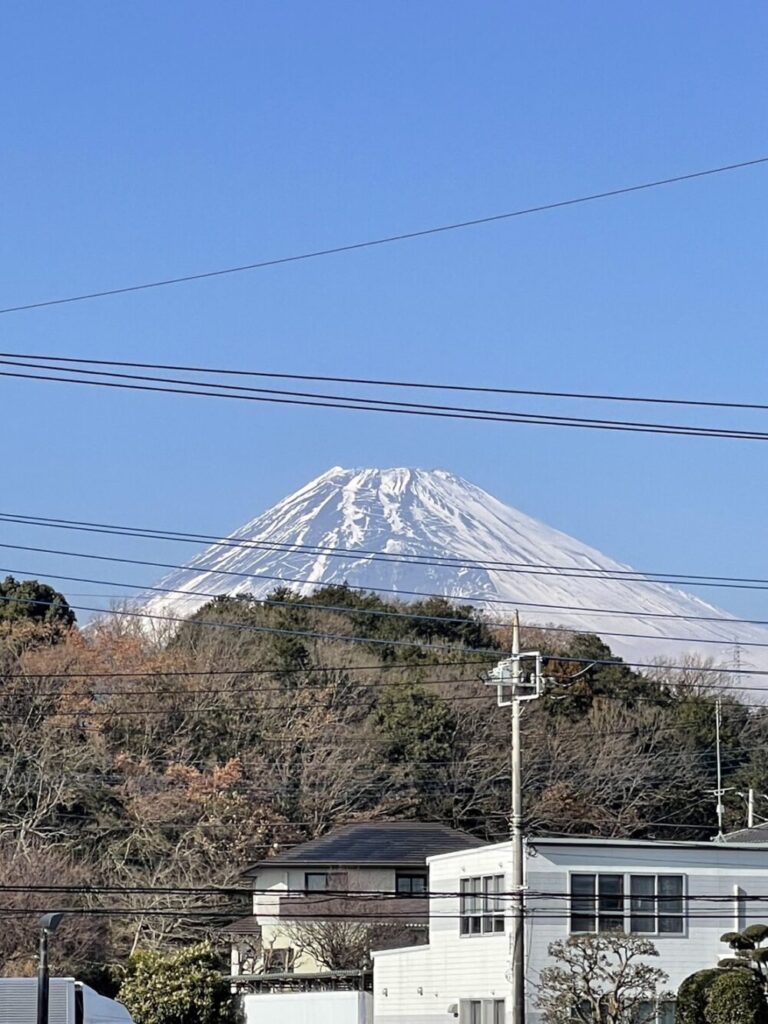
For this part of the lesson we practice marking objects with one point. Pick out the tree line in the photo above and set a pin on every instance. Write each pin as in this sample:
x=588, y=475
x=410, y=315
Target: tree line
x=135, y=764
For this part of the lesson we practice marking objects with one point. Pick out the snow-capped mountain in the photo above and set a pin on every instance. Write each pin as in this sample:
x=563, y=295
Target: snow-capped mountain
x=419, y=532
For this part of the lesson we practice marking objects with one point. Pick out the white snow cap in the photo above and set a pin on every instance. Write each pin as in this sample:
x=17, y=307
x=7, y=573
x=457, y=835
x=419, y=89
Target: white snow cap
x=349, y=525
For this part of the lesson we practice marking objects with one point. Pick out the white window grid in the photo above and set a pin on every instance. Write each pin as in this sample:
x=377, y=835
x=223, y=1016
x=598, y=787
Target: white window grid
x=625, y=911
x=481, y=905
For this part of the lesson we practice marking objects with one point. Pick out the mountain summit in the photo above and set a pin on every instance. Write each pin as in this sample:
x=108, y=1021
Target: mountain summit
x=416, y=532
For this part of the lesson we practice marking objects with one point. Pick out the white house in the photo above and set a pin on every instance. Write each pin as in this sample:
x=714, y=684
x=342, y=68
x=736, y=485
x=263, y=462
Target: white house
x=682, y=896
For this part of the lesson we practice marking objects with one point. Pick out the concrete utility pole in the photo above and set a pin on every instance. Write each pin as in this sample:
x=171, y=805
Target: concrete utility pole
x=48, y=925
x=516, y=830
x=508, y=675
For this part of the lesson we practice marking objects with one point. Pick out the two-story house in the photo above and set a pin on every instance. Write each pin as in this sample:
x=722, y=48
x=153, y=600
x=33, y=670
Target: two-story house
x=682, y=896
x=385, y=862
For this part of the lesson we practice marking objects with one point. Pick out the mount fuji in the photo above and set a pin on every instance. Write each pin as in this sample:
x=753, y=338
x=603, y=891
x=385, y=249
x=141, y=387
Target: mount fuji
x=416, y=532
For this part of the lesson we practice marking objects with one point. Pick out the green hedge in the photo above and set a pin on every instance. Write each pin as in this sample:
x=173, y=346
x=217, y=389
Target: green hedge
x=736, y=997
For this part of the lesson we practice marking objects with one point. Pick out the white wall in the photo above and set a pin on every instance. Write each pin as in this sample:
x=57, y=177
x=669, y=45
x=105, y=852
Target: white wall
x=455, y=967
x=417, y=986
x=289, y=882
x=708, y=870
x=309, y=1008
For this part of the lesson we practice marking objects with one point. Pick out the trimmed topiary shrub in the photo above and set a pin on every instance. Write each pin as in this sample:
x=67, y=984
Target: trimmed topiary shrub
x=692, y=996
x=736, y=997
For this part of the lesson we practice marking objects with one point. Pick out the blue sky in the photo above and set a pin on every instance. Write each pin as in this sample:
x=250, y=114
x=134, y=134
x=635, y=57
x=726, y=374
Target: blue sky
x=145, y=140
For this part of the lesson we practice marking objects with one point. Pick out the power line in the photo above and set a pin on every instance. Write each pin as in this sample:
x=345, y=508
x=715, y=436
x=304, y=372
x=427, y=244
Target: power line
x=373, y=613
x=407, y=409
x=387, y=642
x=433, y=561
x=361, y=895
x=388, y=239
x=445, y=619
x=378, y=382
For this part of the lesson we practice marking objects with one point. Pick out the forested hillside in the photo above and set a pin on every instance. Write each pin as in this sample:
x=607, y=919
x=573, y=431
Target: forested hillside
x=141, y=767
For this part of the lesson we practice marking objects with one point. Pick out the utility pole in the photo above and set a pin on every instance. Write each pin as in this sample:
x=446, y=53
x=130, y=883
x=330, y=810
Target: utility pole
x=508, y=675
x=516, y=831
x=48, y=925
x=750, y=808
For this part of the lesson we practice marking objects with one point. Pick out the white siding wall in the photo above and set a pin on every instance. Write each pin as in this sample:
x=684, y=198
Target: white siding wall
x=708, y=871
x=422, y=983
x=455, y=967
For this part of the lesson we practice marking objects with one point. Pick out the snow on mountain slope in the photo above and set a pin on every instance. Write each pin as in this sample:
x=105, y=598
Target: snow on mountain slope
x=326, y=531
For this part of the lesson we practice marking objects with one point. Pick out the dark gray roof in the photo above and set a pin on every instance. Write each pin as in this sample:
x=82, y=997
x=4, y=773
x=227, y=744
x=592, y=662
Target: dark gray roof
x=384, y=843
x=757, y=834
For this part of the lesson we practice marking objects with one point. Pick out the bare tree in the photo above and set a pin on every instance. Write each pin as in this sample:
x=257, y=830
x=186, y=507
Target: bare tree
x=601, y=978
x=345, y=945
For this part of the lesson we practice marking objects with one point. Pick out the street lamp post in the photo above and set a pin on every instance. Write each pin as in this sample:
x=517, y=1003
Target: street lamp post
x=48, y=925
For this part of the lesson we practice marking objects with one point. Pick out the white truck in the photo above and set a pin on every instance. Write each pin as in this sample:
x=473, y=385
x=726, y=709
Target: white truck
x=70, y=1002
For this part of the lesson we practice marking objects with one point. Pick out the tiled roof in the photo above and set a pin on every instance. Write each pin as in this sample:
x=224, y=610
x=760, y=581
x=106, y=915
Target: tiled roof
x=390, y=843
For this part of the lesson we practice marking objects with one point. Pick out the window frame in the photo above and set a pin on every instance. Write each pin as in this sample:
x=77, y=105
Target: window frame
x=422, y=876
x=627, y=914
x=326, y=875
x=481, y=906
x=488, y=1008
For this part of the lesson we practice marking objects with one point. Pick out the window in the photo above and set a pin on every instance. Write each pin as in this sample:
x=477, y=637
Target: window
x=667, y=1012
x=279, y=961
x=597, y=903
x=411, y=883
x=482, y=1011
x=316, y=881
x=493, y=903
x=654, y=907
x=482, y=905
x=656, y=904
x=471, y=915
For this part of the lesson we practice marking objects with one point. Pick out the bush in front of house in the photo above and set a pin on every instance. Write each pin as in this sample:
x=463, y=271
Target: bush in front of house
x=184, y=987
x=736, y=997
x=734, y=992
x=692, y=996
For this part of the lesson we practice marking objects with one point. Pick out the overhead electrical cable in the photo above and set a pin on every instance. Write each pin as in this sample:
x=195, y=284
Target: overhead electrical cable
x=386, y=239
x=373, y=555
x=491, y=652
x=416, y=617
x=308, y=605
x=717, y=641
x=400, y=408
x=400, y=384
x=320, y=897
x=546, y=571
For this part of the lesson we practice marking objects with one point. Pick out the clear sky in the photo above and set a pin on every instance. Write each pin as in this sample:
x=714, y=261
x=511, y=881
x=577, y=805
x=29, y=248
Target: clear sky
x=144, y=140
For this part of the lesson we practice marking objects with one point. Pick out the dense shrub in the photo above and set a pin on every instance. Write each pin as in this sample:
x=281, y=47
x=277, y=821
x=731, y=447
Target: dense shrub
x=736, y=997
